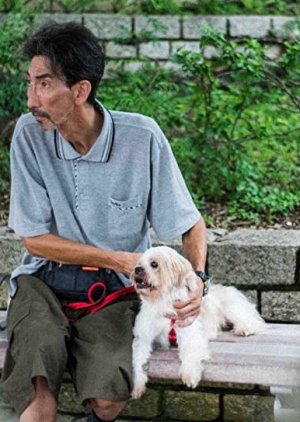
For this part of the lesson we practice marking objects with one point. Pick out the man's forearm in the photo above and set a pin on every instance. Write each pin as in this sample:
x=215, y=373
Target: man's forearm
x=195, y=245
x=64, y=251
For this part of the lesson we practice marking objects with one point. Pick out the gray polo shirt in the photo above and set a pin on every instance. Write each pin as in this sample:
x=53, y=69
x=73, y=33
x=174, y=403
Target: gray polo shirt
x=108, y=198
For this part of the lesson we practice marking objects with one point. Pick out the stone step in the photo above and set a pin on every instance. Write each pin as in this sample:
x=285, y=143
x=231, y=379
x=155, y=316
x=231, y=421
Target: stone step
x=243, y=257
x=263, y=263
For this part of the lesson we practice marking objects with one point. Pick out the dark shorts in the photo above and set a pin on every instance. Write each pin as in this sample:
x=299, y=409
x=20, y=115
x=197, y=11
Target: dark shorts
x=97, y=349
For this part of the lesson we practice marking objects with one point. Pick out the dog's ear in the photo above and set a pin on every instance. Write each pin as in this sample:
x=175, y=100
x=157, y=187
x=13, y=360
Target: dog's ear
x=180, y=267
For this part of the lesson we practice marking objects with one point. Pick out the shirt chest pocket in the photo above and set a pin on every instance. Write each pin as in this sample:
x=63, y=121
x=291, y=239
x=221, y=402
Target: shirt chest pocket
x=126, y=218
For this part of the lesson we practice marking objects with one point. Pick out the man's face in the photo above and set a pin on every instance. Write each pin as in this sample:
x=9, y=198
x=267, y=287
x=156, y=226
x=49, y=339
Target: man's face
x=48, y=97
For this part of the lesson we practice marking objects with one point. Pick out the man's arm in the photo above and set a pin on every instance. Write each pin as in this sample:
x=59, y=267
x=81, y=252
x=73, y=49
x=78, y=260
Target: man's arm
x=63, y=251
x=195, y=249
x=195, y=245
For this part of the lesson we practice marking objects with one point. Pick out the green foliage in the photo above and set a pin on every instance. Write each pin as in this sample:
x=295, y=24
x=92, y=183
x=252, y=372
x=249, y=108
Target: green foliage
x=15, y=27
x=76, y=6
x=248, y=7
x=161, y=6
x=233, y=122
x=212, y=7
x=240, y=151
x=5, y=177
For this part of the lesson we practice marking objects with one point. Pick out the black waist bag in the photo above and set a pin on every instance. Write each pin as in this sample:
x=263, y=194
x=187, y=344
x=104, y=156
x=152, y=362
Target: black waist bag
x=71, y=282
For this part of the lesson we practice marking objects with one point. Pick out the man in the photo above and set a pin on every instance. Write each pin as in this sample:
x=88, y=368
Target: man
x=86, y=185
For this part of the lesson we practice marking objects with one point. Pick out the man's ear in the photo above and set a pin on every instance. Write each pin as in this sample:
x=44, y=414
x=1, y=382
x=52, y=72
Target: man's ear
x=81, y=91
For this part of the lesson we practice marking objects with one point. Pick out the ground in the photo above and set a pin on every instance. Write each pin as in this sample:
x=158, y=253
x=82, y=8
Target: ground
x=218, y=217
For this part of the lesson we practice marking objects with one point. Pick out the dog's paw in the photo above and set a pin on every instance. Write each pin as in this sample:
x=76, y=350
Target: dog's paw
x=139, y=385
x=243, y=331
x=138, y=391
x=250, y=329
x=191, y=378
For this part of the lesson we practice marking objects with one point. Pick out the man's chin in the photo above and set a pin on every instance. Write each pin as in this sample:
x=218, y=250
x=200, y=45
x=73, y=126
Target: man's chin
x=45, y=123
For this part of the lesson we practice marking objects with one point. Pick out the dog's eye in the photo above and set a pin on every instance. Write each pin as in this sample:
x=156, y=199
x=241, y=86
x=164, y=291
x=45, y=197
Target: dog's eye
x=154, y=264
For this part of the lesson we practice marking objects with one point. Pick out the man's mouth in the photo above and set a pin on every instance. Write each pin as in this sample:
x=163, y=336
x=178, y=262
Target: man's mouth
x=39, y=118
x=43, y=119
x=39, y=115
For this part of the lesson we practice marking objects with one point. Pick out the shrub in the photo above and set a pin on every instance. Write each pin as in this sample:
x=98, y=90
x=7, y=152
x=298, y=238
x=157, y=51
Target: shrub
x=15, y=26
x=244, y=130
x=232, y=122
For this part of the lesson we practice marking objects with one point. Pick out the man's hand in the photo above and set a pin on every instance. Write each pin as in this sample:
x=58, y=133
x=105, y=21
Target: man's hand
x=187, y=312
x=124, y=262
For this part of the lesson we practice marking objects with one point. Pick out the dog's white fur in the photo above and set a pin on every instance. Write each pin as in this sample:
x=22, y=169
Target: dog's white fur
x=163, y=276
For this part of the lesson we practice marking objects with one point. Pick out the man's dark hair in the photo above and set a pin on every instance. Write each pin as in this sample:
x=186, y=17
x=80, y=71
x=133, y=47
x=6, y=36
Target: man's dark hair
x=72, y=50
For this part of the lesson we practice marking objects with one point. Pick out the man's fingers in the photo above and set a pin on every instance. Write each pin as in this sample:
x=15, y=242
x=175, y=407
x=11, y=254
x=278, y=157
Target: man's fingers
x=187, y=313
x=189, y=309
x=185, y=322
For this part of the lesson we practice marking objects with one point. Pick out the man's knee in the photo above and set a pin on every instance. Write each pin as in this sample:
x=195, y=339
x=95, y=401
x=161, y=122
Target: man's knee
x=106, y=409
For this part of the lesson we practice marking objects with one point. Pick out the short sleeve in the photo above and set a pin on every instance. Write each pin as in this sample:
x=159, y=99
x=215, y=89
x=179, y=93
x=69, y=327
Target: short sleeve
x=30, y=210
x=171, y=210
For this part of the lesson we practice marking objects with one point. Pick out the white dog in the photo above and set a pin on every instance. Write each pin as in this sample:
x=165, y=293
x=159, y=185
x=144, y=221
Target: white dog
x=161, y=277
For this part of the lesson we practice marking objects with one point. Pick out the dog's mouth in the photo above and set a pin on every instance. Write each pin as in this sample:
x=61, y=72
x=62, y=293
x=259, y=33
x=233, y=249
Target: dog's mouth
x=142, y=284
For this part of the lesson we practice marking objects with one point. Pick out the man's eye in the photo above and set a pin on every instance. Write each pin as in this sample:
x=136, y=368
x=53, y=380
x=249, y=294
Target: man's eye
x=154, y=264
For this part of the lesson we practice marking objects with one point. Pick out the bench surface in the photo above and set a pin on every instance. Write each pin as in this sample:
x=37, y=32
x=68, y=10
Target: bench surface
x=271, y=358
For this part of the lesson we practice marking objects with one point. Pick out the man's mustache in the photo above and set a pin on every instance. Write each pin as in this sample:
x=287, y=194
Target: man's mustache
x=38, y=113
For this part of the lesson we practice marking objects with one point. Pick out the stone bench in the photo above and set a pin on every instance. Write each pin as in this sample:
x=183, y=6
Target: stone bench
x=270, y=359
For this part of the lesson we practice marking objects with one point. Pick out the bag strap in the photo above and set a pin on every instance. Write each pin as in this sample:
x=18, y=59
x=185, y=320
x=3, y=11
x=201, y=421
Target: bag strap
x=92, y=305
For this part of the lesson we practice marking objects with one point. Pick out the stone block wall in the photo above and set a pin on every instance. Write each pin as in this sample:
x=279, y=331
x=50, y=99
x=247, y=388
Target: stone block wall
x=173, y=402
x=265, y=264
x=137, y=38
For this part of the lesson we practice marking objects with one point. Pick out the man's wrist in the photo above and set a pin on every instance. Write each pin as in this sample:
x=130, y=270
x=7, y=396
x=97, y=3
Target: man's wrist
x=205, y=280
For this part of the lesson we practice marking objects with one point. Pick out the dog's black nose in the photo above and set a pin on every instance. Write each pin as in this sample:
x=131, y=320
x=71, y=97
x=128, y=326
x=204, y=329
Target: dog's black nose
x=138, y=270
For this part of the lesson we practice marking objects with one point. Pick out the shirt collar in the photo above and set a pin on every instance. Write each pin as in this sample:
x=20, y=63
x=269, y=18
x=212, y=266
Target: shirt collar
x=100, y=151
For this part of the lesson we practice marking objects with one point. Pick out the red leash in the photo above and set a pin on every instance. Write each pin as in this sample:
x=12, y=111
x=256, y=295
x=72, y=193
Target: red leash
x=172, y=334
x=92, y=305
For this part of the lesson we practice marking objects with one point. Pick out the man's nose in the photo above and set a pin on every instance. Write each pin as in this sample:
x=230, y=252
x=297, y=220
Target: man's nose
x=33, y=100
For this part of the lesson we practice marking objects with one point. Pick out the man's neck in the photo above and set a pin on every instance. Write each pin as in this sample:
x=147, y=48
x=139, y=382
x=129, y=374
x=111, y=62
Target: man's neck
x=83, y=129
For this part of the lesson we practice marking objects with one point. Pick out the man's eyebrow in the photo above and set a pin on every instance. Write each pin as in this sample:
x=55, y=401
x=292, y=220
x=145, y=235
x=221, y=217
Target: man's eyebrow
x=42, y=76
